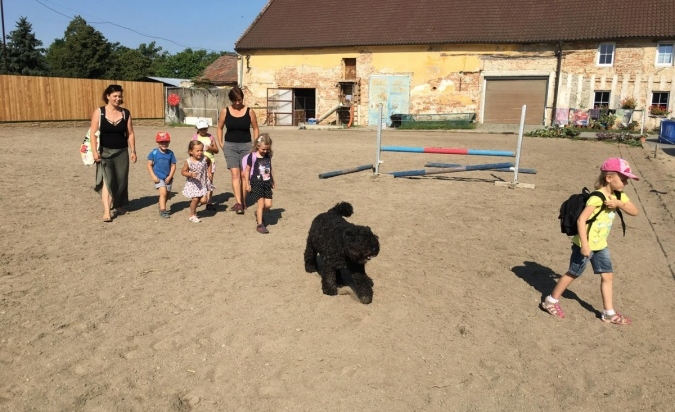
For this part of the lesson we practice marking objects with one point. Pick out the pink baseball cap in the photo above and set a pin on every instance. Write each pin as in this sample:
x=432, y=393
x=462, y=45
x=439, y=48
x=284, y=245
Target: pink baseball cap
x=615, y=164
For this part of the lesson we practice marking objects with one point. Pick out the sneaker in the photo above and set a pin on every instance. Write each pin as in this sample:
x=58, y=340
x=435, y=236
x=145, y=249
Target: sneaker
x=211, y=207
x=194, y=219
x=164, y=214
x=262, y=229
x=239, y=208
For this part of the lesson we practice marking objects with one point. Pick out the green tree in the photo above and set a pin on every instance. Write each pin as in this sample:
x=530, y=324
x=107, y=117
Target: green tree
x=187, y=64
x=25, y=56
x=83, y=52
x=127, y=64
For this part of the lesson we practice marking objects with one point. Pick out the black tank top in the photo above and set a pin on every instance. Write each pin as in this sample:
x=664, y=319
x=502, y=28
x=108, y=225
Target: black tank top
x=238, y=129
x=114, y=136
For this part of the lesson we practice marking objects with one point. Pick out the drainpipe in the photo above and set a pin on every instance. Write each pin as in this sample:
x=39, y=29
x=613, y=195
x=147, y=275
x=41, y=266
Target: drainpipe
x=558, y=54
x=240, y=71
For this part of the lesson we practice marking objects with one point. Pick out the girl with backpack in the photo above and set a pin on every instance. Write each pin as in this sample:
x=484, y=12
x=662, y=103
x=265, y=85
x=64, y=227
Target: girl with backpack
x=590, y=244
x=259, y=178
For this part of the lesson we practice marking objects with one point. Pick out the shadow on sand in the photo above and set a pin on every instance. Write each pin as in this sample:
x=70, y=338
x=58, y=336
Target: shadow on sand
x=544, y=279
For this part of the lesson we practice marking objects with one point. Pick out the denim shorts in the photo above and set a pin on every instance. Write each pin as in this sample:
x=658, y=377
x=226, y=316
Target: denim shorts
x=162, y=183
x=600, y=261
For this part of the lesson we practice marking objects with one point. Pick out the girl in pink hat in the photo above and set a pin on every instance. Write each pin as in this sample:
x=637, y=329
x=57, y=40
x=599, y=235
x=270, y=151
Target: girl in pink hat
x=590, y=244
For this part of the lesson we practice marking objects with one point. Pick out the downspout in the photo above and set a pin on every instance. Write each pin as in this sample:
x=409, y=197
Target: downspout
x=558, y=68
x=240, y=72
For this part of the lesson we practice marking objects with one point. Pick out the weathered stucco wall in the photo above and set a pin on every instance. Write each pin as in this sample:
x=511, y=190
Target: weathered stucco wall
x=450, y=78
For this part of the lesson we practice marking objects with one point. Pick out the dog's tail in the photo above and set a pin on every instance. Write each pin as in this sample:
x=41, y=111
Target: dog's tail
x=343, y=209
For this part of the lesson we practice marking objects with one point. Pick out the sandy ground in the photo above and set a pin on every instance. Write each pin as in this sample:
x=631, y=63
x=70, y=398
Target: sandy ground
x=145, y=314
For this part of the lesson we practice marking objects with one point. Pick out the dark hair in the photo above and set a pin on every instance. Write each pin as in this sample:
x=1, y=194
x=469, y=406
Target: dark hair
x=110, y=90
x=235, y=94
x=192, y=144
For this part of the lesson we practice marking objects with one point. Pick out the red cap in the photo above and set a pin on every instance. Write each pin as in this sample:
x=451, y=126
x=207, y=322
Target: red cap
x=162, y=137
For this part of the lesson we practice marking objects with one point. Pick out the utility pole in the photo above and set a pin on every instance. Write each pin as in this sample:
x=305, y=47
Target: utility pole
x=4, y=40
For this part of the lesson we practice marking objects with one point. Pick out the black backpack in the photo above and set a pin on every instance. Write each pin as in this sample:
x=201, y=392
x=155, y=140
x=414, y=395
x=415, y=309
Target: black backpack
x=571, y=209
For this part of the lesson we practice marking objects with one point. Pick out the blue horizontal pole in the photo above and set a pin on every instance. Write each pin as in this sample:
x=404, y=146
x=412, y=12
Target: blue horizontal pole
x=402, y=149
x=490, y=153
x=496, y=169
x=344, y=171
x=420, y=172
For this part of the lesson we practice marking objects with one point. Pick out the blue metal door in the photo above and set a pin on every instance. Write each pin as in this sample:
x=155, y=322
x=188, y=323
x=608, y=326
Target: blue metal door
x=394, y=94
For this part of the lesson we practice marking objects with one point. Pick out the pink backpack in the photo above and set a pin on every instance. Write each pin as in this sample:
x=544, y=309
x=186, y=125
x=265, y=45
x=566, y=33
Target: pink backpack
x=246, y=162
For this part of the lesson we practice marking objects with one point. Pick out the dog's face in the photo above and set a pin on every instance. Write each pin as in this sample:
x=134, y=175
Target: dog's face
x=360, y=244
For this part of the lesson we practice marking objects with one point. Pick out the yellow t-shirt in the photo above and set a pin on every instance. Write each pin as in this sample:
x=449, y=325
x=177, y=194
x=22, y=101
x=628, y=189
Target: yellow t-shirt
x=599, y=230
x=207, y=140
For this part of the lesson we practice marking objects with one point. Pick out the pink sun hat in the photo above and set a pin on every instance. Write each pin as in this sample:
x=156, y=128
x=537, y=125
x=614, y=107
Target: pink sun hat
x=615, y=164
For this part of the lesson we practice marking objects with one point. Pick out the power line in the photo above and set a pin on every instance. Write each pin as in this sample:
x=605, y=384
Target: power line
x=122, y=27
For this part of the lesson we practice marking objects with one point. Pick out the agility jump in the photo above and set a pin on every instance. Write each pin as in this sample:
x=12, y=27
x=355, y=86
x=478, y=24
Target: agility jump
x=459, y=168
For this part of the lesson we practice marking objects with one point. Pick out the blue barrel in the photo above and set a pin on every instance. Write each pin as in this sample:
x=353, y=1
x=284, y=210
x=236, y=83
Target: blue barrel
x=667, y=134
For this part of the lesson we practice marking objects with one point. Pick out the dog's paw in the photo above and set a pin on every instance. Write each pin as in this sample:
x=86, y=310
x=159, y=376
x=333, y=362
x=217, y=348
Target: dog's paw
x=330, y=291
x=309, y=268
x=366, y=299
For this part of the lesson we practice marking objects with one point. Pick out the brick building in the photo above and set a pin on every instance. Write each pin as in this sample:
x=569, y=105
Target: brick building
x=304, y=58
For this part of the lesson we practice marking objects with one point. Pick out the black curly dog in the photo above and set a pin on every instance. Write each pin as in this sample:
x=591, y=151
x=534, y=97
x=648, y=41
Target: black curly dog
x=341, y=246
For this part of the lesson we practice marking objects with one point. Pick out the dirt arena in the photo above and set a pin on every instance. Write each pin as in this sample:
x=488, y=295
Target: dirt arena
x=146, y=314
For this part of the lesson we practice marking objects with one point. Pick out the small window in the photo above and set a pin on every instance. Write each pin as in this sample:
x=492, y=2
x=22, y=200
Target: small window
x=659, y=103
x=606, y=54
x=601, y=100
x=664, y=54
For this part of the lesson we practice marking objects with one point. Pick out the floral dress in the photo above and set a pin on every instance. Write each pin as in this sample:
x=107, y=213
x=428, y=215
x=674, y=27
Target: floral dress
x=199, y=186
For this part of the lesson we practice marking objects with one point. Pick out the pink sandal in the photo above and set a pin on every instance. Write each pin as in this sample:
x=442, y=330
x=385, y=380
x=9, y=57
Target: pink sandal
x=616, y=319
x=552, y=309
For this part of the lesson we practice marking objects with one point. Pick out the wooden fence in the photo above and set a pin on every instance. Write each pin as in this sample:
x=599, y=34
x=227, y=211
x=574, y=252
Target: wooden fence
x=35, y=99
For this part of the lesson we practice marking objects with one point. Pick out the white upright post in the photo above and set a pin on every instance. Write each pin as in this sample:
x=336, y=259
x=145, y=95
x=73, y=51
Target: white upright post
x=379, y=141
x=514, y=184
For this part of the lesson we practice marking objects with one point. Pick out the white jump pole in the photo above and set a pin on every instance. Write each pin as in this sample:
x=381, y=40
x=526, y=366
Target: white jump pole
x=514, y=184
x=379, y=141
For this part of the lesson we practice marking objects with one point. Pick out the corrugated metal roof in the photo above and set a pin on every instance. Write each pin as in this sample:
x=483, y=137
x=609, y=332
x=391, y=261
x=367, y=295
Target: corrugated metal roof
x=288, y=24
x=168, y=80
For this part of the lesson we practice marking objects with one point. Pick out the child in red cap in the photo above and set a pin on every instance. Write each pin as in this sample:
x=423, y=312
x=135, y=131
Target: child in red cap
x=162, y=167
x=591, y=242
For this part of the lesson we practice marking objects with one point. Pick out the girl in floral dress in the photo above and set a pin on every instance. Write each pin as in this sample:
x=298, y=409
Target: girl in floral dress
x=197, y=169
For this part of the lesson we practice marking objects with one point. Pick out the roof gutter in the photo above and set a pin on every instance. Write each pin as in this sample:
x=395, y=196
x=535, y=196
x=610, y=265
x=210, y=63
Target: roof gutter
x=558, y=53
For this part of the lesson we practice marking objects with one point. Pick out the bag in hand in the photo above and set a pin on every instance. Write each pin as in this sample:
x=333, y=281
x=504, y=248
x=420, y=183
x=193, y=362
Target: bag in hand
x=85, y=149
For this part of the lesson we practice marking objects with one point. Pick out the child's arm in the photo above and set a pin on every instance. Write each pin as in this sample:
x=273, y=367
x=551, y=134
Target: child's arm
x=186, y=171
x=209, y=173
x=274, y=181
x=169, y=178
x=247, y=177
x=627, y=207
x=581, y=228
x=213, y=147
x=153, y=176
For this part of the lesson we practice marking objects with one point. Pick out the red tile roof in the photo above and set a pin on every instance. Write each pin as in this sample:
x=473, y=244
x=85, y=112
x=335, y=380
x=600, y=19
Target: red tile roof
x=223, y=71
x=286, y=24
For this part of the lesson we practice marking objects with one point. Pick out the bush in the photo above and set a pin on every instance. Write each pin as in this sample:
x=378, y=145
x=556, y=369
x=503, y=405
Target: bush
x=623, y=137
x=555, y=131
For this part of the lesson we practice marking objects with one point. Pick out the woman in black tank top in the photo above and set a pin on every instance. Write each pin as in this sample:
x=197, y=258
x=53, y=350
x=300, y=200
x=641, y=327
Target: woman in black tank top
x=117, y=142
x=237, y=120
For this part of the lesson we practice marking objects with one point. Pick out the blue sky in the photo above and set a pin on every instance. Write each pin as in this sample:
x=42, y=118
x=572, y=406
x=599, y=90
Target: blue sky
x=214, y=25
